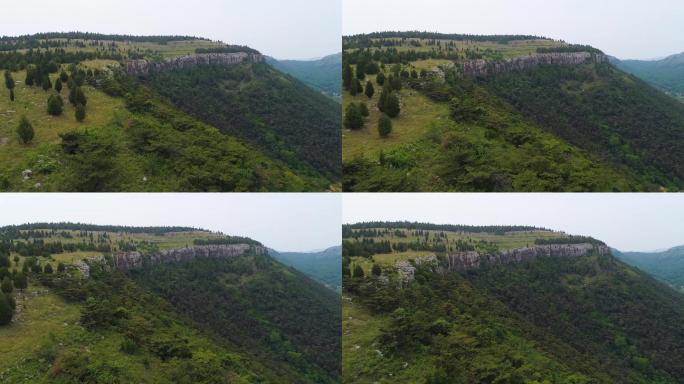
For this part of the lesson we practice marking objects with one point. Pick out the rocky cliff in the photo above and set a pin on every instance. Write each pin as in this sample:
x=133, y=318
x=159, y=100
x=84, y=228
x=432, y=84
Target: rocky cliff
x=144, y=67
x=125, y=261
x=463, y=261
x=484, y=68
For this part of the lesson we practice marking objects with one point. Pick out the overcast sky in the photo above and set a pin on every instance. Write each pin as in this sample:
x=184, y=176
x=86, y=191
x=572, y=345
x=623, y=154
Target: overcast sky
x=623, y=28
x=283, y=221
x=292, y=29
x=628, y=222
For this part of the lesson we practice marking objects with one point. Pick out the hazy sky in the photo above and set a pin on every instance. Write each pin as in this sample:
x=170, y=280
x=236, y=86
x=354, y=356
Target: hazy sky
x=285, y=222
x=628, y=222
x=292, y=29
x=623, y=28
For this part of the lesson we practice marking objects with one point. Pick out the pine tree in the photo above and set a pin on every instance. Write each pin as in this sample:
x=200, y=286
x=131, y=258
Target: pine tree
x=48, y=268
x=63, y=76
x=6, y=286
x=352, y=117
x=30, y=76
x=77, y=96
x=353, y=88
x=20, y=281
x=384, y=95
x=80, y=112
x=46, y=83
x=6, y=310
x=11, y=94
x=25, y=130
x=347, y=75
x=61, y=267
x=55, y=105
x=392, y=107
x=369, y=89
x=58, y=85
x=363, y=109
x=384, y=126
x=9, y=81
x=376, y=270
x=380, y=78
x=358, y=272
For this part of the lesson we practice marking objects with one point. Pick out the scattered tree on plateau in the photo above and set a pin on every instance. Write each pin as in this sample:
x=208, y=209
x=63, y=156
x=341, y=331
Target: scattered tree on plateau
x=25, y=130
x=384, y=126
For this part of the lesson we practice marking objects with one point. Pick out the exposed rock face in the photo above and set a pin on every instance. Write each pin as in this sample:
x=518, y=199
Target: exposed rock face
x=484, y=68
x=407, y=271
x=84, y=265
x=125, y=261
x=143, y=67
x=462, y=261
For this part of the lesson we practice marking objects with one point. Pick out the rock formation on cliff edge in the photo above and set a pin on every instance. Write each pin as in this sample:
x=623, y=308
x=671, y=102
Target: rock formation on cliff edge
x=125, y=261
x=144, y=67
x=469, y=260
x=483, y=68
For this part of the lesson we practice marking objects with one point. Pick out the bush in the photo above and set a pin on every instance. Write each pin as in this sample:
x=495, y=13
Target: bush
x=352, y=117
x=80, y=112
x=25, y=130
x=363, y=109
x=55, y=105
x=6, y=310
x=384, y=125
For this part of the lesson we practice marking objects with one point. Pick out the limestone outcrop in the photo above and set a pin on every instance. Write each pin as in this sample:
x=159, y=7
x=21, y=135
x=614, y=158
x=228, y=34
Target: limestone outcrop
x=464, y=261
x=125, y=261
x=484, y=68
x=144, y=67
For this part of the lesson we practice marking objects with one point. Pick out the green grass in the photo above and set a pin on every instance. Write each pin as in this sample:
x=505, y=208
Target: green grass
x=418, y=114
x=43, y=313
x=150, y=49
x=31, y=101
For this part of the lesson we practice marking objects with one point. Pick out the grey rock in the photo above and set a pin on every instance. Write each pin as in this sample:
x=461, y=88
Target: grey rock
x=484, y=68
x=144, y=67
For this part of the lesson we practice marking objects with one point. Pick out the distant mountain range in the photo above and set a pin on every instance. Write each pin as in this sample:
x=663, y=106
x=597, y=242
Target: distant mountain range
x=666, y=74
x=667, y=266
x=321, y=74
x=322, y=266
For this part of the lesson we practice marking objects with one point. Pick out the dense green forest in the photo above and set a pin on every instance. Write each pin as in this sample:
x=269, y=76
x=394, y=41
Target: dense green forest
x=321, y=74
x=667, y=266
x=666, y=74
x=414, y=121
x=588, y=319
x=243, y=319
x=323, y=266
x=271, y=111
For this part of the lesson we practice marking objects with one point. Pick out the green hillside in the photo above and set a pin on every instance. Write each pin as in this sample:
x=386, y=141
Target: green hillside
x=321, y=74
x=323, y=266
x=667, y=266
x=273, y=112
x=132, y=138
x=202, y=320
x=666, y=74
x=560, y=319
x=547, y=127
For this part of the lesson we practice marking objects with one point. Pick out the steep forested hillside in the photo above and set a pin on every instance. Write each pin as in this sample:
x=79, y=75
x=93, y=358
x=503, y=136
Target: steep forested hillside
x=84, y=313
x=667, y=266
x=274, y=112
x=323, y=266
x=71, y=119
x=433, y=112
x=413, y=313
x=321, y=74
x=666, y=74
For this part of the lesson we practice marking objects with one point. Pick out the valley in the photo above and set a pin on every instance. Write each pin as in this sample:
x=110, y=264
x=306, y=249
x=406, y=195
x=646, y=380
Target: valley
x=117, y=304
x=500, y=113
x=439, y=303
x=204, y=121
